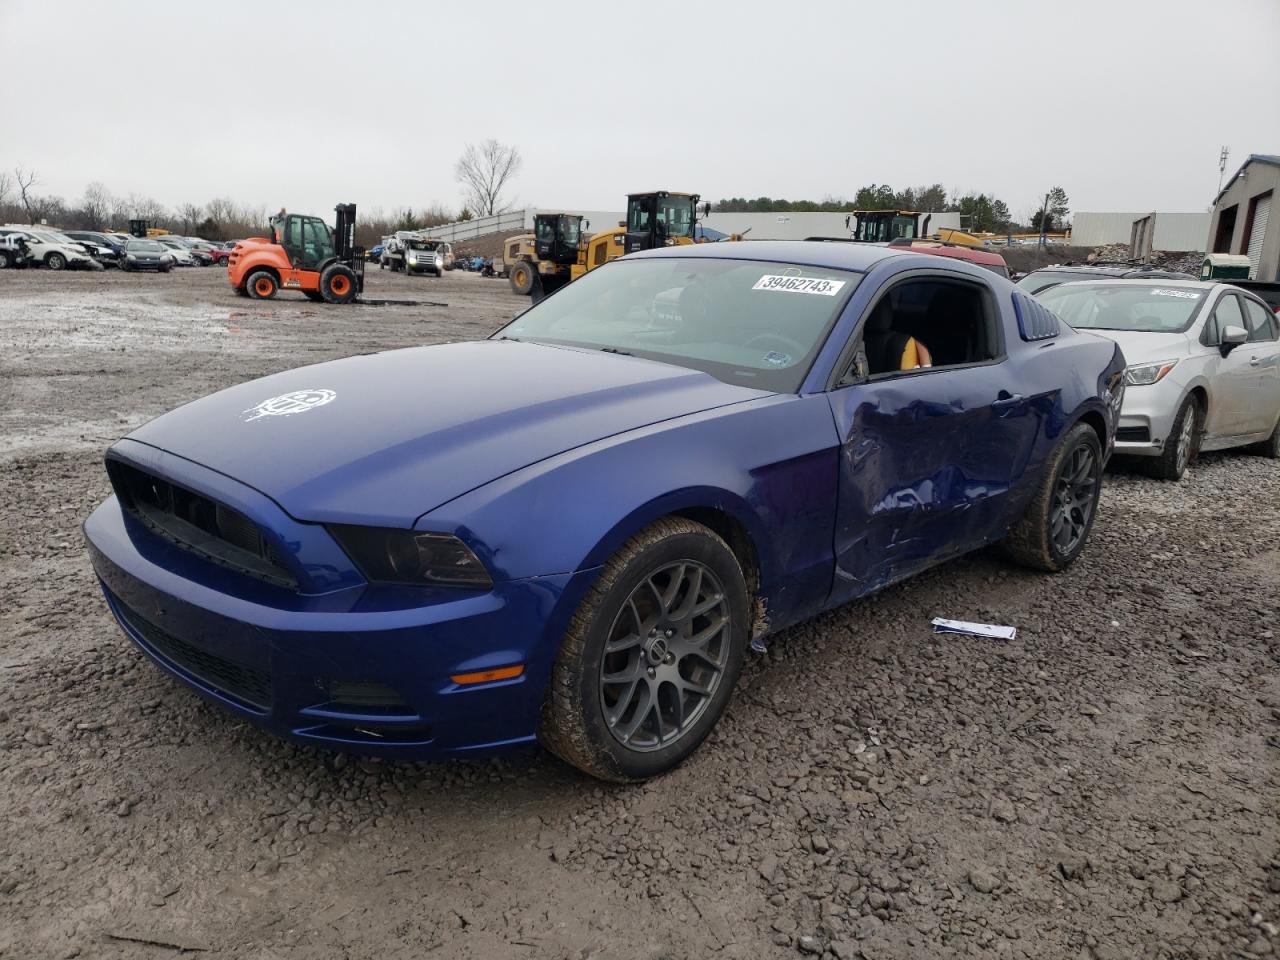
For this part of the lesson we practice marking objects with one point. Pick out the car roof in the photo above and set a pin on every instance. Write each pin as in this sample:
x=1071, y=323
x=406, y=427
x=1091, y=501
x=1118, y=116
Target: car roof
x=860, y=257
x=1148, y=282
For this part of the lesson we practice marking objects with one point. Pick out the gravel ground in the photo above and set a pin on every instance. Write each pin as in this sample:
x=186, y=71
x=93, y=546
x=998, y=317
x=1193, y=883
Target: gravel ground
x=1103, y=786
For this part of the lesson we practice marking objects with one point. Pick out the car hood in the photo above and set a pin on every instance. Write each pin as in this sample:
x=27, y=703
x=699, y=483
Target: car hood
x=387, y=437
x=1144, y=347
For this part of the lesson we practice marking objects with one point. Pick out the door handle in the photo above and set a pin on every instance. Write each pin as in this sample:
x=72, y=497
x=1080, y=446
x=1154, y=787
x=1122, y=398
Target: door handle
x=1003, y=403
x=1255, y=361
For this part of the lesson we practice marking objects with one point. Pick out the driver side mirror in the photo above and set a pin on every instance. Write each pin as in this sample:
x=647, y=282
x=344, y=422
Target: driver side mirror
x=1232, y=337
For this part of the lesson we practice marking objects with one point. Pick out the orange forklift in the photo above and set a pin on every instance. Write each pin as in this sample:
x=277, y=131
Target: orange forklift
x=301, y=254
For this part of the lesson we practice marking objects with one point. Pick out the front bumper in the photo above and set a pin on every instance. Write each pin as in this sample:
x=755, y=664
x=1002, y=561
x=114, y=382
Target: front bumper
x=362, y=669
x=1146, y=418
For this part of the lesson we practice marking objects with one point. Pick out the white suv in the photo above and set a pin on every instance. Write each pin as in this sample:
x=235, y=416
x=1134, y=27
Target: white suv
x=49, y=248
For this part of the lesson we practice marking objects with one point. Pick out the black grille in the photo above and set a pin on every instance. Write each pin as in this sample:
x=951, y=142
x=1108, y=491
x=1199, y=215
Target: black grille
x=1133, y=434
x=244, y=683
x=195, y=522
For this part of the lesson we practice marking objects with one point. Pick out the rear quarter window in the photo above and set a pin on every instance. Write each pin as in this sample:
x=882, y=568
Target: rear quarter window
x=1035, y=321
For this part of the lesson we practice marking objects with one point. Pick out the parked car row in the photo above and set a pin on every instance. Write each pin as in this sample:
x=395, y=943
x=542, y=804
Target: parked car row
x=40, y=246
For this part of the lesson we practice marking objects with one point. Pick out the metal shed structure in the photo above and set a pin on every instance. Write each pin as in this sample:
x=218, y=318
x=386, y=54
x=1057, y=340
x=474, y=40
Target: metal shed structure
x=1244, y=219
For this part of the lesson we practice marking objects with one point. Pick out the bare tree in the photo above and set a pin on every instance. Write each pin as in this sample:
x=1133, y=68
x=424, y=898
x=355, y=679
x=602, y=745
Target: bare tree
x=6, y=185
x=96, y=205
x=190, y=214
x=484, y=171
x=222, y=210
x=27, y=179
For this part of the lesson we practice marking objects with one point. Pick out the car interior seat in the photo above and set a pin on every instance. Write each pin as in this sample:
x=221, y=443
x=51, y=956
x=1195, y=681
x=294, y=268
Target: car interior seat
x=884, y=345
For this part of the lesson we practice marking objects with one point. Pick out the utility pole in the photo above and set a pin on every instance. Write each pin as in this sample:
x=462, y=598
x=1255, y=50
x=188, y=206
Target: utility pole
x=1222, y=168
x=1044, y=213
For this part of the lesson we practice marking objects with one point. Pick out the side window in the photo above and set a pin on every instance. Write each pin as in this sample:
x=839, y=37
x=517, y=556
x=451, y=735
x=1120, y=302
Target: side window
x=1261, y=322
x=930, y=323
x=1226, y=314
x=293, y=234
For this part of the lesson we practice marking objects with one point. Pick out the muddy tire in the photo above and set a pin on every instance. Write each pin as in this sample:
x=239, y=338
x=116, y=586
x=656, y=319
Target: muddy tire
x=261, y=285
x=1056, y=524
x=1270, y=447
x=521, y=277
x=651, y=656
x=1182, y=445
x=55, y=261
x=338, y=283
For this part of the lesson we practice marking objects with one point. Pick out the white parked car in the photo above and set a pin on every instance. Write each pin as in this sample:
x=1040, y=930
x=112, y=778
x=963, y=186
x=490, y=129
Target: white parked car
x=1203, y=364
x=181, y=253
x=50, y=249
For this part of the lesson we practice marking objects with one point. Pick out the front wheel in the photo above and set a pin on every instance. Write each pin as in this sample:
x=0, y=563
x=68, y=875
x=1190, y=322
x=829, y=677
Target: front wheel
x=651, y=656
x=222, y=261
x=522, y=277
x=6, y=260
x=1055, y=526
x=1182, y=444
x=338, y=283
x=262, y=285
x=55, y=261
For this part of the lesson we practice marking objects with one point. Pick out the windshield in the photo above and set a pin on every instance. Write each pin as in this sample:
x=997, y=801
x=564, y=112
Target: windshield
x=147, y=246
x=570, y=230
x=746, y=322
x=1112, y=306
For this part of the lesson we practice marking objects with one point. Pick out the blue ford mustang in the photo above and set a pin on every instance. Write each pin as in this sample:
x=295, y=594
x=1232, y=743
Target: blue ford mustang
x=572, y=531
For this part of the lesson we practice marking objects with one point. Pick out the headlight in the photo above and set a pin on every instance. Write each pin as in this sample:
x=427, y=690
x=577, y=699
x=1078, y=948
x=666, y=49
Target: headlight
x=1145, y=374
x=408, y=556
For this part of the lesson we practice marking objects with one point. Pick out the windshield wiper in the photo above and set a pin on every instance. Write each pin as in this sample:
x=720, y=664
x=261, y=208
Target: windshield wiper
x=621, y=353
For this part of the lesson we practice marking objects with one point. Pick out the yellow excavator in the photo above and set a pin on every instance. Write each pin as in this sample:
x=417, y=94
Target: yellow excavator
x=560, y=250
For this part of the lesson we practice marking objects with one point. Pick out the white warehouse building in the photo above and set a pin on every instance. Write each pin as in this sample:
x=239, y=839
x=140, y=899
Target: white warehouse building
x=1172, y=231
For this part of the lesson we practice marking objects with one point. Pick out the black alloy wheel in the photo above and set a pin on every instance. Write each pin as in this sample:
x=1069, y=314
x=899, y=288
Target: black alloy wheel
x=1075, y=498
x=665, y=656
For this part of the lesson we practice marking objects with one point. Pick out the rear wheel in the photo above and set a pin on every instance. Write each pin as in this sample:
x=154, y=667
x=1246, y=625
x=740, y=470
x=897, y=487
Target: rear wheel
x=338, y=283
x=522, y=277
x=650, y=659
x=1270, y=447
x=55, y=261
x=1056, y=524
x=262, y=285
x=222, y=261
x=1182, y=444
x=6, y=259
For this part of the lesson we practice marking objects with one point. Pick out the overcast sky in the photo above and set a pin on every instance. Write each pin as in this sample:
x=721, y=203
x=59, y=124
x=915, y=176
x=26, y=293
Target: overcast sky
x=1124, y=104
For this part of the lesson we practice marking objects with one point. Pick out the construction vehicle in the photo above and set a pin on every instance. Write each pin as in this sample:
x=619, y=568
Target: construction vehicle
x=559, y=250
x=301, y=254
x=881, y=226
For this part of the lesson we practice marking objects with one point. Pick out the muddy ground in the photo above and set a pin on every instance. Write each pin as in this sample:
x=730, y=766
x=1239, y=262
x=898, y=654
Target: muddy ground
x=1103, y=786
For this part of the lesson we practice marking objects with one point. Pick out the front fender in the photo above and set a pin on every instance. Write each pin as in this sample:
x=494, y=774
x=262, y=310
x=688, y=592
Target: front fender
x=769, y=463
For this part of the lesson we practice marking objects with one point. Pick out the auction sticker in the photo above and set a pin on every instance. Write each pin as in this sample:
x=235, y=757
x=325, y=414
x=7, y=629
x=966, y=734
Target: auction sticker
x=816, y=285
x=1180, y=294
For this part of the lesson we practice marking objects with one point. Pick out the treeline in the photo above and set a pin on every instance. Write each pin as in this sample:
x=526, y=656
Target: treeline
x=979, y=212
x=21, y=201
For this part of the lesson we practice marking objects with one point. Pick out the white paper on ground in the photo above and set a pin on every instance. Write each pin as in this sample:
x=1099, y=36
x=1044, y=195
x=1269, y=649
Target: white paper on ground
x=991, y=630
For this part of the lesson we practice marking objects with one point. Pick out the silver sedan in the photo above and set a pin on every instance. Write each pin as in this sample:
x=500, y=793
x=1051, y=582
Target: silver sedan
x=1203, y=365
